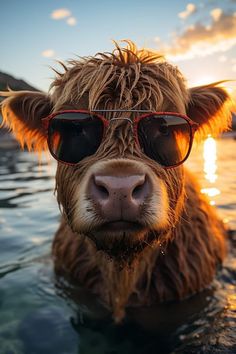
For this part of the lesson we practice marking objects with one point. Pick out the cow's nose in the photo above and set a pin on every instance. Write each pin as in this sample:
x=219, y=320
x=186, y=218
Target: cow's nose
x=120, y=197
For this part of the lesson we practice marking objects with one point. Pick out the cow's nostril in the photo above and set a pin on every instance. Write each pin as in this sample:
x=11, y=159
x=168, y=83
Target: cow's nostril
x=140, y=190
x=104, y=193
x=137, y=192
x=99, y=189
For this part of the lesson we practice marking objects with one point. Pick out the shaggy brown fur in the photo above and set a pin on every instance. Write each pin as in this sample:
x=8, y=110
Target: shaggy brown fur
x=168, y=259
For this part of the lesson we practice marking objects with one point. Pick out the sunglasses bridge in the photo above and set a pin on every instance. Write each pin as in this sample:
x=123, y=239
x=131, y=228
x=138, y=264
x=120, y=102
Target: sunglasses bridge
x=124, y=118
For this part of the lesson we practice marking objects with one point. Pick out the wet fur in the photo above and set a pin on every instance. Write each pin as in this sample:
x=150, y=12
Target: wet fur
x=165, y=265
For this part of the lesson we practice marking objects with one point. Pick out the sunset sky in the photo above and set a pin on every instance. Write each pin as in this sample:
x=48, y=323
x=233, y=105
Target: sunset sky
x=199, y=36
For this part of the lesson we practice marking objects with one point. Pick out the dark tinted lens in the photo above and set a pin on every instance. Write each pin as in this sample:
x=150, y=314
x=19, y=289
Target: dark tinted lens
x=165, y=138
x=74, y=136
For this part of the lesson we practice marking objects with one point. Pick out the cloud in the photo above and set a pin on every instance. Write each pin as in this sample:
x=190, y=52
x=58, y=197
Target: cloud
x=60, y=14
x=190, y=9
x=234, y=67
x=48, y=53
x=216, y=14
x=64, y=14
x=201, y=40
x=71, y=21
x=222, y=59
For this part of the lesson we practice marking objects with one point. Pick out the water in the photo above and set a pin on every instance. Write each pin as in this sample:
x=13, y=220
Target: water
x=36, y=315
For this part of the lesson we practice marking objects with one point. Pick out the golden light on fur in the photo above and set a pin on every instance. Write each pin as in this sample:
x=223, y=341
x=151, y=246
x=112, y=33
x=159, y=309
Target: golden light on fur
x=22, y=112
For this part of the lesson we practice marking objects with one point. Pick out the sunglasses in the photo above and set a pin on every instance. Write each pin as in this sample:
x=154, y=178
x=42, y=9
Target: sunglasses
x=165, y=137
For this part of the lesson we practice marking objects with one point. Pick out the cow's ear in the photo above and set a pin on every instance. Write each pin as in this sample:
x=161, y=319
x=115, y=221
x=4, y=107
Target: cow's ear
x=210, y=106
x=22, y=113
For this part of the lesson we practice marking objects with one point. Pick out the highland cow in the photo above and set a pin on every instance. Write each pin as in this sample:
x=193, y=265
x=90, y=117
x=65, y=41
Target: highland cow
x=135, y=228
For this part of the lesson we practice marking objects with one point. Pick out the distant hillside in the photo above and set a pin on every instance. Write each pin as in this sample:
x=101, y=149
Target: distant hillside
x=15, y=84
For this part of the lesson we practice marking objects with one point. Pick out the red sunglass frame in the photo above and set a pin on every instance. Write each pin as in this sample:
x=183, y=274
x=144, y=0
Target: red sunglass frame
x=192, y=125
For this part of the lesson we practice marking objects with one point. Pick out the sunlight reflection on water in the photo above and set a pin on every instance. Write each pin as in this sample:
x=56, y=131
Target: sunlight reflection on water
x=210, y=168
x=210, y=158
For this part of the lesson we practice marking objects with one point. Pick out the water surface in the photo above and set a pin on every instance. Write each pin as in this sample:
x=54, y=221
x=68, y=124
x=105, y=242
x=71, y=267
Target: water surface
x=36, y=316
